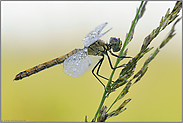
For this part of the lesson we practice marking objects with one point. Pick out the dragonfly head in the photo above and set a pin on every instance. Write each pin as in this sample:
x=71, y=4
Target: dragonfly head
x=115, y=44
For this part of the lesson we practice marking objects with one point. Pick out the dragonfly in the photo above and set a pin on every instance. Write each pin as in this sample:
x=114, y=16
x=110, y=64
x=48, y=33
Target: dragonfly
x=77, y=62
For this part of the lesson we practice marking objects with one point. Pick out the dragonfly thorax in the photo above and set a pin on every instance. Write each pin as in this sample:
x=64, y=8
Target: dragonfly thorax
x=98, y=48
x=115, y=44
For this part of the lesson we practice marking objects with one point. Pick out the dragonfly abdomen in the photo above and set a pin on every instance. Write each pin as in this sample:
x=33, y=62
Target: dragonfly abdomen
x=45, y=65
x=35, y=69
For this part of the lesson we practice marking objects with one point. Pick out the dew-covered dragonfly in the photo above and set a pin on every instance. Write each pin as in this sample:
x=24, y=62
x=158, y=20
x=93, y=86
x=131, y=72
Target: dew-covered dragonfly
x=77, y=62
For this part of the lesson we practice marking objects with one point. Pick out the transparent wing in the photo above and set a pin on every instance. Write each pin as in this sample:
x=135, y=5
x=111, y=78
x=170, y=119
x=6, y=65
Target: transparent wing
x=77, y=64
x=94, y=35
x=94, y=60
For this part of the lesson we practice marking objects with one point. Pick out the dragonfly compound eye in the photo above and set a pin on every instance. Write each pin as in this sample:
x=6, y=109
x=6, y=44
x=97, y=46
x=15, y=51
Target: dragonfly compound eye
x=115, y=44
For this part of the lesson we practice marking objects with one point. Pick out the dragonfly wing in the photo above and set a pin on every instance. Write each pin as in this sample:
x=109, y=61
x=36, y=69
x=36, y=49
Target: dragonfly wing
x=77, y=64
x=94, y=35
x=94, y=60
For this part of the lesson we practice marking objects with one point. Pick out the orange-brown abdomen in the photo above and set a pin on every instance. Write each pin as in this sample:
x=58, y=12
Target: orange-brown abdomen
x=45, y=65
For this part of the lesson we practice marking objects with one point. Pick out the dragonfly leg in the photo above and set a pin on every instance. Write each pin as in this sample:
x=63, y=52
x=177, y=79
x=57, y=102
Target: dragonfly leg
x=106, y=53
x=118, y=57
x=99, y=63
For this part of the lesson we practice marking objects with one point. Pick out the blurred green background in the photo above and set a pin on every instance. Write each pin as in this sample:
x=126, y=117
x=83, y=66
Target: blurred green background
x=35, y=32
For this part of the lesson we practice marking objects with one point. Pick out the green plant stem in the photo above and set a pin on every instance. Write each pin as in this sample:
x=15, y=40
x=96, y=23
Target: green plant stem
x=117, y=62
x=100, y=106
x=113, y=103
x=125, y=43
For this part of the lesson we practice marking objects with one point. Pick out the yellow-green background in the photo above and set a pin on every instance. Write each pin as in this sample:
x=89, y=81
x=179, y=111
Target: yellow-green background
x=35, y=32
